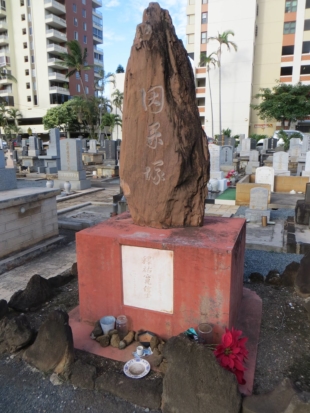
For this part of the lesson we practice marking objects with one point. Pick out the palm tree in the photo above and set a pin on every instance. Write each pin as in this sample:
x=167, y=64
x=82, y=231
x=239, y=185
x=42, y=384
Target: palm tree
x=223, y=40
x=208, y=61
x=14, y=114
x=75, y=60
x=100, y=85
x=111, y=120
x=118, y=98
x=5, y=74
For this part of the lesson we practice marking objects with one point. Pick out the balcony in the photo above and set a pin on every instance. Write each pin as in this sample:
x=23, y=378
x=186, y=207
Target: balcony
x=55, y=21
x=54, y=7
x=5, y=81
x=56, y=49
x=97, y=40
x=3, y=26
x=56, y=36
x=4, y=58
x=6, y=92
x=4, y=40
x=59, y=90
x=54, y=63
x=98, y=62
x=58, y=76
x=96, y=3
x=97, y=25
x=2, y=11
x=97, y=13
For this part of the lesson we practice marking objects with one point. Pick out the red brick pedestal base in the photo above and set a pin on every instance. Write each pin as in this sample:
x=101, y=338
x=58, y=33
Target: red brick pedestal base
x=207, y=273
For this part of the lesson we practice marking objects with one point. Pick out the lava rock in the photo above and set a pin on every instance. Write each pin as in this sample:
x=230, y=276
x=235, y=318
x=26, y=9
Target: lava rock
x=15, y=334
x=163, y=366
x=307, y=307
x=104, y=340
x=289, y=274
x=111, y=332
x=256, y=277
x=53, y=349
x=37, y=292
x=273, y=278
x=115, y=340
x=302, y=281
x=154, y=342
x=83, y=375
x=60, y=280
x=161, y=348
x=128, y=339
x=74, y=270
x=162, y=128
x=97, y=331
x=282, y=399
x=4, y=308
x=195, y=382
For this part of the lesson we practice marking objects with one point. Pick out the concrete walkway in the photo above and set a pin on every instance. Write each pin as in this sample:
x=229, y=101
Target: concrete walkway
x=47, y=265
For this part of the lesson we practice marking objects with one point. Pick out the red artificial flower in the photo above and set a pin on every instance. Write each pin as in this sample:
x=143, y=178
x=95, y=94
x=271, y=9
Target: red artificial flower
x=232, y=352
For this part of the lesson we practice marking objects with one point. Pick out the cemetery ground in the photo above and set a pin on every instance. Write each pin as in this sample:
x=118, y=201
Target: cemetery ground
x=284, y=341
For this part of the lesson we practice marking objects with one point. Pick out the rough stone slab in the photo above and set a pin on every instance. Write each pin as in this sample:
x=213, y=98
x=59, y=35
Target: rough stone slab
x=164, y=156
x=302, y=280
x=25, y=195
x=7, y=179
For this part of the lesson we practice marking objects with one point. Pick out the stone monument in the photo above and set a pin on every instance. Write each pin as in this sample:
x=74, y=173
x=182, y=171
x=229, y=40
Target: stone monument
x=280, y=164
x=215, y=162
x=265, y=175
x=71, y=165
x=162, y=130
x=302, y=209
x=52, y=157
x=306, y=172
x=226, y=158
x=163, y=264
x=258, y=205
x=7, y=175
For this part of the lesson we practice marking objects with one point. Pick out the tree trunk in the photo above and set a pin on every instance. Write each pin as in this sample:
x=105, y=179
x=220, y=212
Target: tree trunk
x=220, y=90
x=80, y=73
x=211, y=105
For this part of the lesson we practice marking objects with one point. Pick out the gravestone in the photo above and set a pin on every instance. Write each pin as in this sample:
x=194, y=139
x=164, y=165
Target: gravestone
x=71, y=165
x=305, y=146
x=280, y=164
x=10, y=159
x=302, y=209
x=246, y=146
x=52, y=157
x=253, y=162
x=226, y=158
x=265, y=175
x=258, y=205
x=265, y=144
x=7, y=175
x=215, y=162
x=33, y=147
x=295, y=147
x=227, y=141
x=40, y=145
x=24, y=142
x=92, y=146
x=164, y=157
x=272, y=144
x=84, y=144
x=110, y=152
x=254, y=156
x=306, y=172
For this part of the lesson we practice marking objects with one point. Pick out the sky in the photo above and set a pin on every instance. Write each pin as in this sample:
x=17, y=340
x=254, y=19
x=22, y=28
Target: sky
x=120, y=18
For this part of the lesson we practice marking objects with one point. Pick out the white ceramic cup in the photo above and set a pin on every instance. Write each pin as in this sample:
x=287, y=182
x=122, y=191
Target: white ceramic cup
x=140, y=351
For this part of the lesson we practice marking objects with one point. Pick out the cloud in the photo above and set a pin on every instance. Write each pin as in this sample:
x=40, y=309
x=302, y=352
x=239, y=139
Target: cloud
x=108, y=4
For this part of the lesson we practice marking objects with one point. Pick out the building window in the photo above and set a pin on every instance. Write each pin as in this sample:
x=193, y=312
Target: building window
x=35, y=100
x=32, y=59
x=86, y=90
x=28, y=3
x=28, y=98
x=77, y=75
x=204, y=37
x=287, y=50
x=86, y=77
x=97, y=20
x=84, y=13
x=305, y=47
x=190, y=19
x=78, y=88
x=307, y=4
x=23, y=17
x=85, y=39
x=84, y=26
x=204, y=18
x=22, y=3
x=75, y=21
x=286, y=71
x=307, y=25
x=27, y=85
x=289, y=27
x=27, y=72
x=76, y=36
x=305, y=70
x=190, y=38
x=24, y=31
x=74, y=7
x=25, y=45
x=25, y=59
x=98, y=33
x=290, y=6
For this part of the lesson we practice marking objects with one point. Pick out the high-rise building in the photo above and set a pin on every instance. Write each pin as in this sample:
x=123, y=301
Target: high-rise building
x=273, y=39
x=32, y=35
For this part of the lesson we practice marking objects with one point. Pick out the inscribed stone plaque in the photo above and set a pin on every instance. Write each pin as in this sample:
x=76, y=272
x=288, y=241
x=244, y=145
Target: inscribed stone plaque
x=280, y=161
x=307, y=166
x=214, y=157
x=226, y=155
x=253, y=156
x=110, y=149
x=259, y=198
x=92, y=146
x=148, y=278
x=71, y=155
x=246, y=145
x=265, y=175
x=272, y=143
x=54, y=145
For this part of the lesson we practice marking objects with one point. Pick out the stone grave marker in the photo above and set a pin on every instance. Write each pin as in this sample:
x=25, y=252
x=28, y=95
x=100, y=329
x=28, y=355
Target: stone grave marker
x=84, y=144
x=272, y=144
x=280, y=163
x=246, y=146
x=54, y=145
x=305, y=146
x=306, y=172
x=295, y=147
x=110, y=152
x=226, y=155
x=33, y=147
x=92, y=146
x=302, y=209
x=7, y=175
x=164, y=163
x=215, y=162
x=40, y=145
x=258, y=205
x=227, y=141
x=253, y=156
x=265, y=175
x=71, y=165
x=307, y=194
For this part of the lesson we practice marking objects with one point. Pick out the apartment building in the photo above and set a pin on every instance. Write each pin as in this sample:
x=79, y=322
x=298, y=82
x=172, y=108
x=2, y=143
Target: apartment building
x=32, y=35
x=273, y=39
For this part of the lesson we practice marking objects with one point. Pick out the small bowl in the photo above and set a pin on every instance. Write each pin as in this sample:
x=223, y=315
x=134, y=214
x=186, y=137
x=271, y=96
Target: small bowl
x=145, y=338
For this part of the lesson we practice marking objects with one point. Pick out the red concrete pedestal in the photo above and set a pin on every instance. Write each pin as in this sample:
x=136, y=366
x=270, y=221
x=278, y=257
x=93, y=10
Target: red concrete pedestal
x=207, y=273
